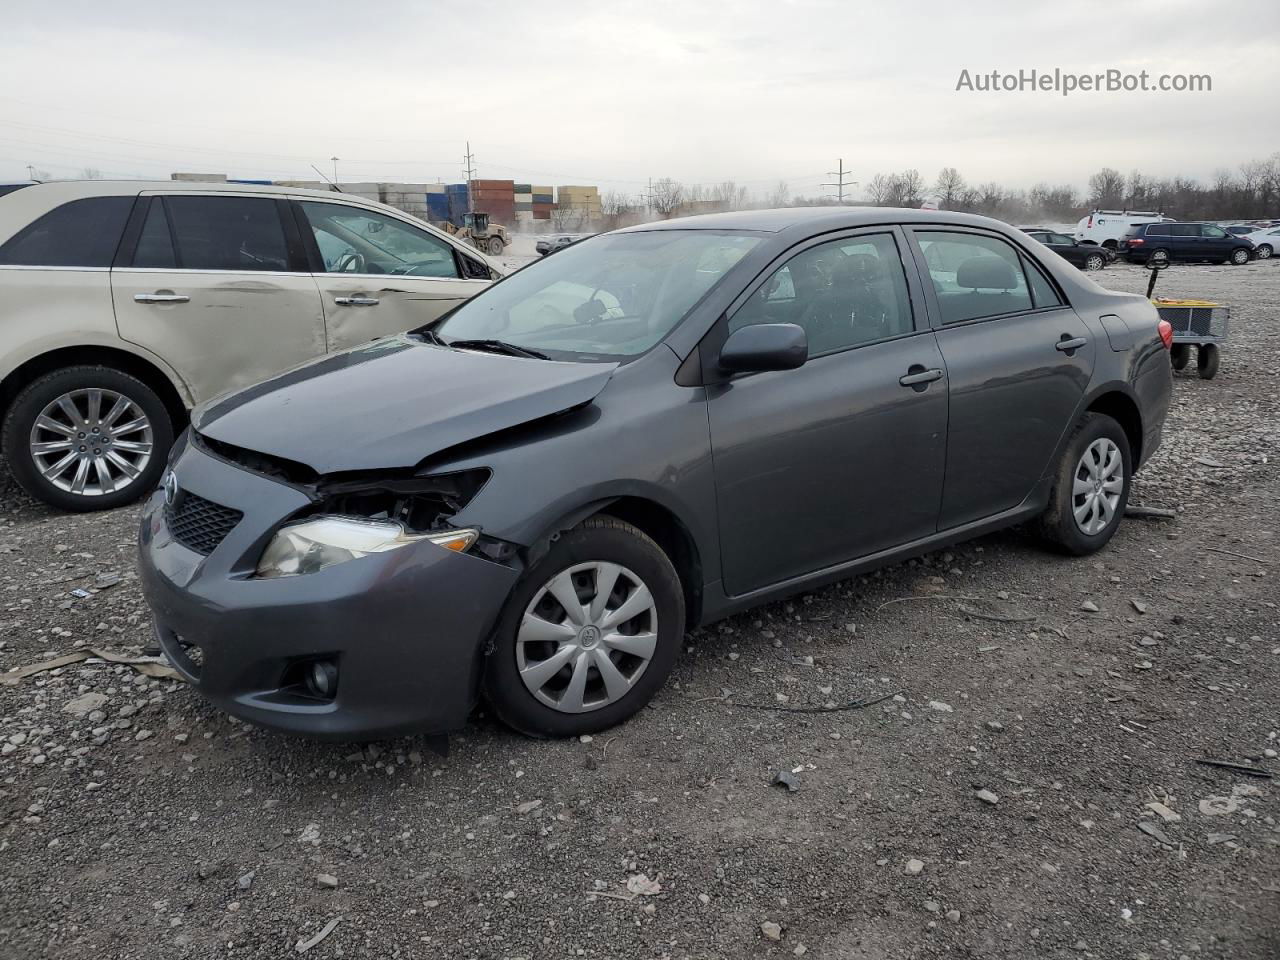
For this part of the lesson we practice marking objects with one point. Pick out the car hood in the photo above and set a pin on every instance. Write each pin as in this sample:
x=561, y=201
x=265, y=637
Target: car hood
x=393, y=403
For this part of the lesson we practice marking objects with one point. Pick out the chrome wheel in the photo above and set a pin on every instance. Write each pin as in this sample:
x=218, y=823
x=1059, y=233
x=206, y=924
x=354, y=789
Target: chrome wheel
x=1099, y=481
x=1239, y=256
x=586, y=637
x=1095, y=262
x=91, y=442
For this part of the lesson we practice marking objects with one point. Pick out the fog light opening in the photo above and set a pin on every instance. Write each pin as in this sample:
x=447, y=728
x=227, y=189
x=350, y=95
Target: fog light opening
x=320, y=677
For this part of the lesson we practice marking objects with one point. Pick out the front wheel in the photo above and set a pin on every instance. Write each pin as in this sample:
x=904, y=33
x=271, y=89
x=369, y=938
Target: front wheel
x=1264, y=252
x=1091, y=488
x=87, y=438
x=1095, y=261
x=589, y=635
x=495, y=246
x=1207, y=359
x=1239, y=256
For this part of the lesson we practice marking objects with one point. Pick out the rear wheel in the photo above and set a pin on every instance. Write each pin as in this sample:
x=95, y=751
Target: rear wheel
x=1207, y=360
x=1179, y=356
x=1159, y=253
x=87, y=438
x=1091, y=488
x=589, y=635
x=495, y=246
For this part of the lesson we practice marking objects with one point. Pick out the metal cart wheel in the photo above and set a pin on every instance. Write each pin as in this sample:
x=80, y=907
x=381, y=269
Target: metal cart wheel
x=1207, y=359
x=1179, y=356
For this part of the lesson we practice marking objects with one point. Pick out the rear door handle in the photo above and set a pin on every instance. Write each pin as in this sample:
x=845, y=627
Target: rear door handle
x=161, y=298
x=1067, y=344
x=920, y=375
x=356, y=301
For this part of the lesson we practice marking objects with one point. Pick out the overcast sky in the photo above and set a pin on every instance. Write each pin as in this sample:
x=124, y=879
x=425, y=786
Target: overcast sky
x=615, y=92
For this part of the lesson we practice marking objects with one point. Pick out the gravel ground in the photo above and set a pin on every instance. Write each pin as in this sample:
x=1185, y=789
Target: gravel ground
x=1032, y=791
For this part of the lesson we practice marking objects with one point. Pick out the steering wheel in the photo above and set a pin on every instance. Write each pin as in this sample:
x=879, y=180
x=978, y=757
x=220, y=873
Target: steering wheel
x=349, y=262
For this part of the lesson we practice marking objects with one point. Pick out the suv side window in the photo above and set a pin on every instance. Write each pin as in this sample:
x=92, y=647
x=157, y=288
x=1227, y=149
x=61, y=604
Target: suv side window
x=227, y=233
x=1184, y=230
x=843, y=293
x=974, y=276
x=1209, y=230
x=80, y=233
x=155, y=242
x=1159, y=230
x=354, y=240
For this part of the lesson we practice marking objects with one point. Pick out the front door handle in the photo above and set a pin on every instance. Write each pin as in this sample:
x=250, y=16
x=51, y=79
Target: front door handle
x=161, y=298
x=917, y=376
x=356, y=301
x=1067, y=344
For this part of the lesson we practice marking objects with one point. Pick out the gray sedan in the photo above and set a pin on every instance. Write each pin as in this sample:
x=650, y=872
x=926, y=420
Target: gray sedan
x=536, y=496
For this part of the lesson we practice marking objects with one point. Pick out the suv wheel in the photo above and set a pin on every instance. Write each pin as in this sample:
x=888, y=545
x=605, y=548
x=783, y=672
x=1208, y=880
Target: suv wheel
x=1159, y=253
x=1091, y=488
x=1239, y=256
x=87, y=438
x=589, y=635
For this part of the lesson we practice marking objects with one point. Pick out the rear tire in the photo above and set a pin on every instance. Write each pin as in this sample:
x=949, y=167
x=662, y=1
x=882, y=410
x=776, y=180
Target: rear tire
x=130, y=471
x=1159, y=253
x=1090, y=490
x=1179, y=356
x=536, y=628
x=1207, y=359
x=495, y=246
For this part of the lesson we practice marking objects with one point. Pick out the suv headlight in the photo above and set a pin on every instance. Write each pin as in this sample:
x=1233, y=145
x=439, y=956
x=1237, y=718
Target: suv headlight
x=312, y=545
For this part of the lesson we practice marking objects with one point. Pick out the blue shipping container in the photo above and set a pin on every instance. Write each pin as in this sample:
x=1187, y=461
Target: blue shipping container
x=438, y=206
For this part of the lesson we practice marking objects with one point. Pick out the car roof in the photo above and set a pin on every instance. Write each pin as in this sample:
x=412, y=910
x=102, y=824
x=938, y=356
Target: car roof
x=64, y=190
x=817, y=219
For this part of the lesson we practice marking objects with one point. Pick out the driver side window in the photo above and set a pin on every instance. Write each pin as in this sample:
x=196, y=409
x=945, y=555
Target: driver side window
x=354, y=240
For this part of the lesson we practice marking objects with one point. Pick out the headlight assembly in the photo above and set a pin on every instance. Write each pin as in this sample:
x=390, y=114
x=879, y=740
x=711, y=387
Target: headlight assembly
x=312, y=545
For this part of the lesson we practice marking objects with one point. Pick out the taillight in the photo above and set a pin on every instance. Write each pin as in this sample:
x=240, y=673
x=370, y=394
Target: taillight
x=1134, y=241
x=1166, y=333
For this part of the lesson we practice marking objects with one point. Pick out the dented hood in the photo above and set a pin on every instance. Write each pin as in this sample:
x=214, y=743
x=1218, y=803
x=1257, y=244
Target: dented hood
x=393, y=403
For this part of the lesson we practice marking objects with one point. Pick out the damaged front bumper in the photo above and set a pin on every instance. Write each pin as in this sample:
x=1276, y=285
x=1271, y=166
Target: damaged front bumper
x=403, y=631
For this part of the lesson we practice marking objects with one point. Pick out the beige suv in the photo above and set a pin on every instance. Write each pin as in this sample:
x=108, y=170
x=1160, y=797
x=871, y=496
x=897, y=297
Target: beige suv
x=122, y=305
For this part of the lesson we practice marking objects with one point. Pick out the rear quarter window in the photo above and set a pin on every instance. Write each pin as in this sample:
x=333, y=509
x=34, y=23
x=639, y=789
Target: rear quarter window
x=81, y=233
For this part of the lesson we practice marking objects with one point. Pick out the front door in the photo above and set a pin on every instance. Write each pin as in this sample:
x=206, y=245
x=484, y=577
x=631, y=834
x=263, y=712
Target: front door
x=1215, y=243
x=214, y=287
x=379, y=275
x=840, y=458
x=1018, y=361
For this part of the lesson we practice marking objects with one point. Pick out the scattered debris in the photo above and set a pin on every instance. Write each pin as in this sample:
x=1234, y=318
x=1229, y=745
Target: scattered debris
x=640, y=885
x=1138, y=605
x=327, y=880
x=771, y=930
x=1089, y=607
x=85, y=704
x=1241, y=556
x=1164, y=813
x=148, y=666
x=1149, y=513
x=1153, y=831
x=1209, y=462
x=913, y=867
x=940, y=706
x=304, y=945
x=1219, y=806
x=997, y=617
x=528, y=807
x=988, y=796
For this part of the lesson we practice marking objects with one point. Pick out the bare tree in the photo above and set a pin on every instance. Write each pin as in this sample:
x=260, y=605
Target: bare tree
x=730, y=196
x=949, y=188
x=880, y=189
x=781, y=194
x=1106, y=189
x=907, y=189
x=667, y=196
x=90, y=173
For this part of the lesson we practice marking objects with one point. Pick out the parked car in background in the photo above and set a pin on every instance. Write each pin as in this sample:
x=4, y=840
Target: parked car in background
x=559, y=242
x=1086, y=256
x=123, y=304
x=540, y=493
x=1186, y=242
x=1265, y=241
x=1241, y=229
x=1106, y=227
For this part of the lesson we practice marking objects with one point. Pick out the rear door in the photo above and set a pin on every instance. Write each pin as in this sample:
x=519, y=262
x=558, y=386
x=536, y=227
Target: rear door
x=1018, y=361
x=216, y=285
x=840, y=458
x=1183, y=241
x=379, y=275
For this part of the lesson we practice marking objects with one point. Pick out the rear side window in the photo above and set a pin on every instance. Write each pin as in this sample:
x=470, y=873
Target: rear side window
x=1154, y=230
x=1184, y=230
x=227, y=233
x=974, y=276
x=82, y=233
x=1042, y=292
x=155, y=243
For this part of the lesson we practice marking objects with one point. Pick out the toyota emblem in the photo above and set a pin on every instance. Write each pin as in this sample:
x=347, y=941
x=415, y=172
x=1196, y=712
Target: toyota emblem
x=170, y=484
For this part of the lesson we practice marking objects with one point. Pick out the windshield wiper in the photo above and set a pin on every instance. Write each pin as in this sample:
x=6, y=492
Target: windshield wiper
x=429, y=335
x=498, y=346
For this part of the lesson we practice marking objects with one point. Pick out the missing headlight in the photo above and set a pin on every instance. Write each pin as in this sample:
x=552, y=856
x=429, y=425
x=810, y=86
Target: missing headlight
x=419, y=504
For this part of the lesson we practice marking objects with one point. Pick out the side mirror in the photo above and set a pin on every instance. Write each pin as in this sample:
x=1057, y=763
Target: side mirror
x=764, y=346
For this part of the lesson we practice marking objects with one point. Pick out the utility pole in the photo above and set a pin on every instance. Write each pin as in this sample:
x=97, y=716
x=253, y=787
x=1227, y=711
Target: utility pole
x=840, y=183
x=335, y=169
x=648, y=200
x=468, y=164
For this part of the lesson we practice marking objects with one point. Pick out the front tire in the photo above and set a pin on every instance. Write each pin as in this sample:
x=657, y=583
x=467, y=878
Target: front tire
x=1239, y=256
x=1095, y=261
x=589, y=635
x=495, y=246
x=1208, y=357
x=1264, y=252
x=1091, y=488
x=87, y=438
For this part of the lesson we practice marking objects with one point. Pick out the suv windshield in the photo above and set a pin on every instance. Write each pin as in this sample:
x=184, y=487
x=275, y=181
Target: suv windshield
x=605, y=298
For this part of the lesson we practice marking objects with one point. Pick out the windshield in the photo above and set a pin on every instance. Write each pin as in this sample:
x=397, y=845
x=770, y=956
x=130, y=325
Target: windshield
x=608, y=297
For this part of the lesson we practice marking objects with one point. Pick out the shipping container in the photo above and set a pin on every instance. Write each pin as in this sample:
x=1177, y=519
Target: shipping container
x=438, y=206
x=523, y=188
x=543, y=198
x=436, y=188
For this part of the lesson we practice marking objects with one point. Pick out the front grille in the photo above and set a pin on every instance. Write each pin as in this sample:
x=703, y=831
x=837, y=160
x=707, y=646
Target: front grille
x=199, y=524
